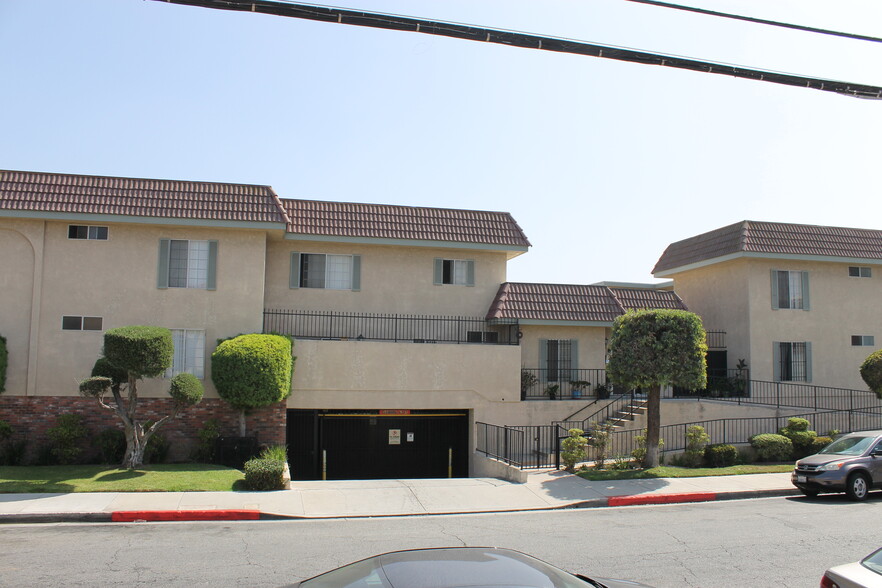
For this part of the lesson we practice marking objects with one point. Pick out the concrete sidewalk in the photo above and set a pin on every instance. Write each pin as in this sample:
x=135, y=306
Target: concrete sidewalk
x=544, y=489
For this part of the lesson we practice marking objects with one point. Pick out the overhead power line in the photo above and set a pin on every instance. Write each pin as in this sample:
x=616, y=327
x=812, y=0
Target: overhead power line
x=525, y=40
x=773, y=23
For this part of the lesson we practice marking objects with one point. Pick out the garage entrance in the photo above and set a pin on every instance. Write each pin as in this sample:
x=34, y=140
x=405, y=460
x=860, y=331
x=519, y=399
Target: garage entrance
x=378, y=444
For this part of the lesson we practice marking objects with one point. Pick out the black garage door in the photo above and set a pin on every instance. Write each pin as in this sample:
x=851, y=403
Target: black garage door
x=381, y=444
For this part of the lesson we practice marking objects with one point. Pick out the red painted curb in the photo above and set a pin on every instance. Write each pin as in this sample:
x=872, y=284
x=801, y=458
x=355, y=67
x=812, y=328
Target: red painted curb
x=130, y=516
x=661, y=498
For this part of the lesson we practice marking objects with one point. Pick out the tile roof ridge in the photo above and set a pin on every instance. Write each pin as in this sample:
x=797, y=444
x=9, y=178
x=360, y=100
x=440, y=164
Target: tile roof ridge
x=279, y=205
x=137, y=179
x=405, y=206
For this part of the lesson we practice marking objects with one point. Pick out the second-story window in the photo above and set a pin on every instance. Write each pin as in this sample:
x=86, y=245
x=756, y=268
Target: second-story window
x=324, y=270
x=187, y=264
x=859, y=272
x=454, y=271
x=790, y=289
x=558, y=358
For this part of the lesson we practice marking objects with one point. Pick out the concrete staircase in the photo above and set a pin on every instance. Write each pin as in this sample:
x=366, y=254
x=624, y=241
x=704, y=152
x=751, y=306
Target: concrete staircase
x=627, y=414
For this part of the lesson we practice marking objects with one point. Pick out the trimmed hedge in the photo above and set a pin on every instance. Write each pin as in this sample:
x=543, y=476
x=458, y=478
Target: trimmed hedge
x=186, y=389
x=771, y=447
x=871, y=372
x=797, y=430
x=251, y=371
x=143, y=351
x=4, y=361
x=720, y=455
x=818, y=443
x=264, y=474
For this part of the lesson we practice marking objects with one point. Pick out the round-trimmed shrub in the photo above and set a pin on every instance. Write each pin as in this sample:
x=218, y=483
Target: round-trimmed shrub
x=104, y=369
x=143, y=351
x=720, y=455
x=264, y=474
x=871, y=372
x=797, y=430
x=771, y=447
x=251, y=371
x=186, y=389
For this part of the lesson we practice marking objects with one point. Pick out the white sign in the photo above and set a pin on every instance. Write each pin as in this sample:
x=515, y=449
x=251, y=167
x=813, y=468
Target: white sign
x=394, y=436
x=410, y=437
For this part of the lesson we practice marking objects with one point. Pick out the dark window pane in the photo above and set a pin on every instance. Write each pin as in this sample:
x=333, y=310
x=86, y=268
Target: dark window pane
x=783, y=289
x=448, y=272
x=72, y=323
x=856, y=340
x=312, y=270
x=77, y=232
x=92, y=323
x=854, y=271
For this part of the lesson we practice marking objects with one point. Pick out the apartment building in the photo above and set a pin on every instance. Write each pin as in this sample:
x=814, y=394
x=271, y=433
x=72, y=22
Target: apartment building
x=798, y=303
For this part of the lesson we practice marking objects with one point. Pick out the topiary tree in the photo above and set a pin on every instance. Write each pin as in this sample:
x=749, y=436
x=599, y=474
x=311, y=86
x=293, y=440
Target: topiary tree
x=131, y=354
x=252, y=371
x=871, y=372
x=573, y=449
x=4, y=361
x=797, y=430
x=654, y=348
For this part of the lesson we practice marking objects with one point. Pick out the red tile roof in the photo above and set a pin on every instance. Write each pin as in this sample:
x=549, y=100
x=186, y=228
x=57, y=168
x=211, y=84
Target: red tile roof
x=47, y=192
x=382, y=221
x=773, y=238
x=577, y=303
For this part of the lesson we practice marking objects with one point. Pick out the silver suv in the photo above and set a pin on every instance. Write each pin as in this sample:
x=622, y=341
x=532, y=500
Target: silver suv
x=851, y=464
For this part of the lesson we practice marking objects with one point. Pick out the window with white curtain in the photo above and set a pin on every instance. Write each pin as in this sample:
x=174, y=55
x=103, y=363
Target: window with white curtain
x=188, y=264
x=189, y=354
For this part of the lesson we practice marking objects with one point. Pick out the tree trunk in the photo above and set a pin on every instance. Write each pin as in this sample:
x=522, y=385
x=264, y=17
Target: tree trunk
x=653, y=426
x=136, y=443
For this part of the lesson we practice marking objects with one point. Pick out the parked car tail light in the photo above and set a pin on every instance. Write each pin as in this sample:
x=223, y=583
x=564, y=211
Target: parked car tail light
x=827, y=582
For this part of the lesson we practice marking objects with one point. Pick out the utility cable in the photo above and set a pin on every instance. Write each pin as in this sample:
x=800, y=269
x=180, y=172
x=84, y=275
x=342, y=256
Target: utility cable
x=759, y=20
x=525, y=40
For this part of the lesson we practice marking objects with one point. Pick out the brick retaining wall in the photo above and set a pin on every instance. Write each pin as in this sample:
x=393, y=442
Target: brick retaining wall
x=32, y=416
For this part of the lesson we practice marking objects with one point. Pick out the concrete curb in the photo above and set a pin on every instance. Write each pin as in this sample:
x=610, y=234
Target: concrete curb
x=255, y=515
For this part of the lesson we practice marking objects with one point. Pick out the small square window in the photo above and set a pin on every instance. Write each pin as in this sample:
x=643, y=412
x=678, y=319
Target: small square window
x=93, y=323
x=82, y=323
x=94, y=233
x=859, y=272
x=72, y=323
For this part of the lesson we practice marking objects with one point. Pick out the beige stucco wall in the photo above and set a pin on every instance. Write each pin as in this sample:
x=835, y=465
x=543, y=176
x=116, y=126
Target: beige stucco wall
x=592, y=344
x=735, y=296
x=21, y=245
x=394, y=279
x=116, y=279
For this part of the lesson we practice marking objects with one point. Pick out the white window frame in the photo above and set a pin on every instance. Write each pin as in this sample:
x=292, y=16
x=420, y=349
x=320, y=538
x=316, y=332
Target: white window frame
x=855, y=271
x=863, y=341
x=337, y=271
x=790, y=290
x=454, y=272
x=93, y=233
x=189, y=353
x=82, y=322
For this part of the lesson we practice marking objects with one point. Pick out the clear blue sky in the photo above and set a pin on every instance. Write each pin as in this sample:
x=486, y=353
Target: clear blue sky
x=603, y=163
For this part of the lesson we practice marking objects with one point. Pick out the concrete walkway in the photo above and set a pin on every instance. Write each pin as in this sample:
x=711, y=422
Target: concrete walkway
x=544, y=489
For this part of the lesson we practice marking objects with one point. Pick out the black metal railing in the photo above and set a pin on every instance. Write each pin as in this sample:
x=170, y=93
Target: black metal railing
x=795, y=395
x=525, y=446
x=716, y=339
x=615, y=408
x=360, y=326
x=740, y=430
x=546, y=384
x=721, y=383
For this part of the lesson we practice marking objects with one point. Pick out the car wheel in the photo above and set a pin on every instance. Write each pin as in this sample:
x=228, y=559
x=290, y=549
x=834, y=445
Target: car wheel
x=809, y=493
x=858, y=486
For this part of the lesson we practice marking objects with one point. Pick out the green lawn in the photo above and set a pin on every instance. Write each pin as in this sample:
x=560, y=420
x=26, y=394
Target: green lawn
x=97, y=478
x=675, y=472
